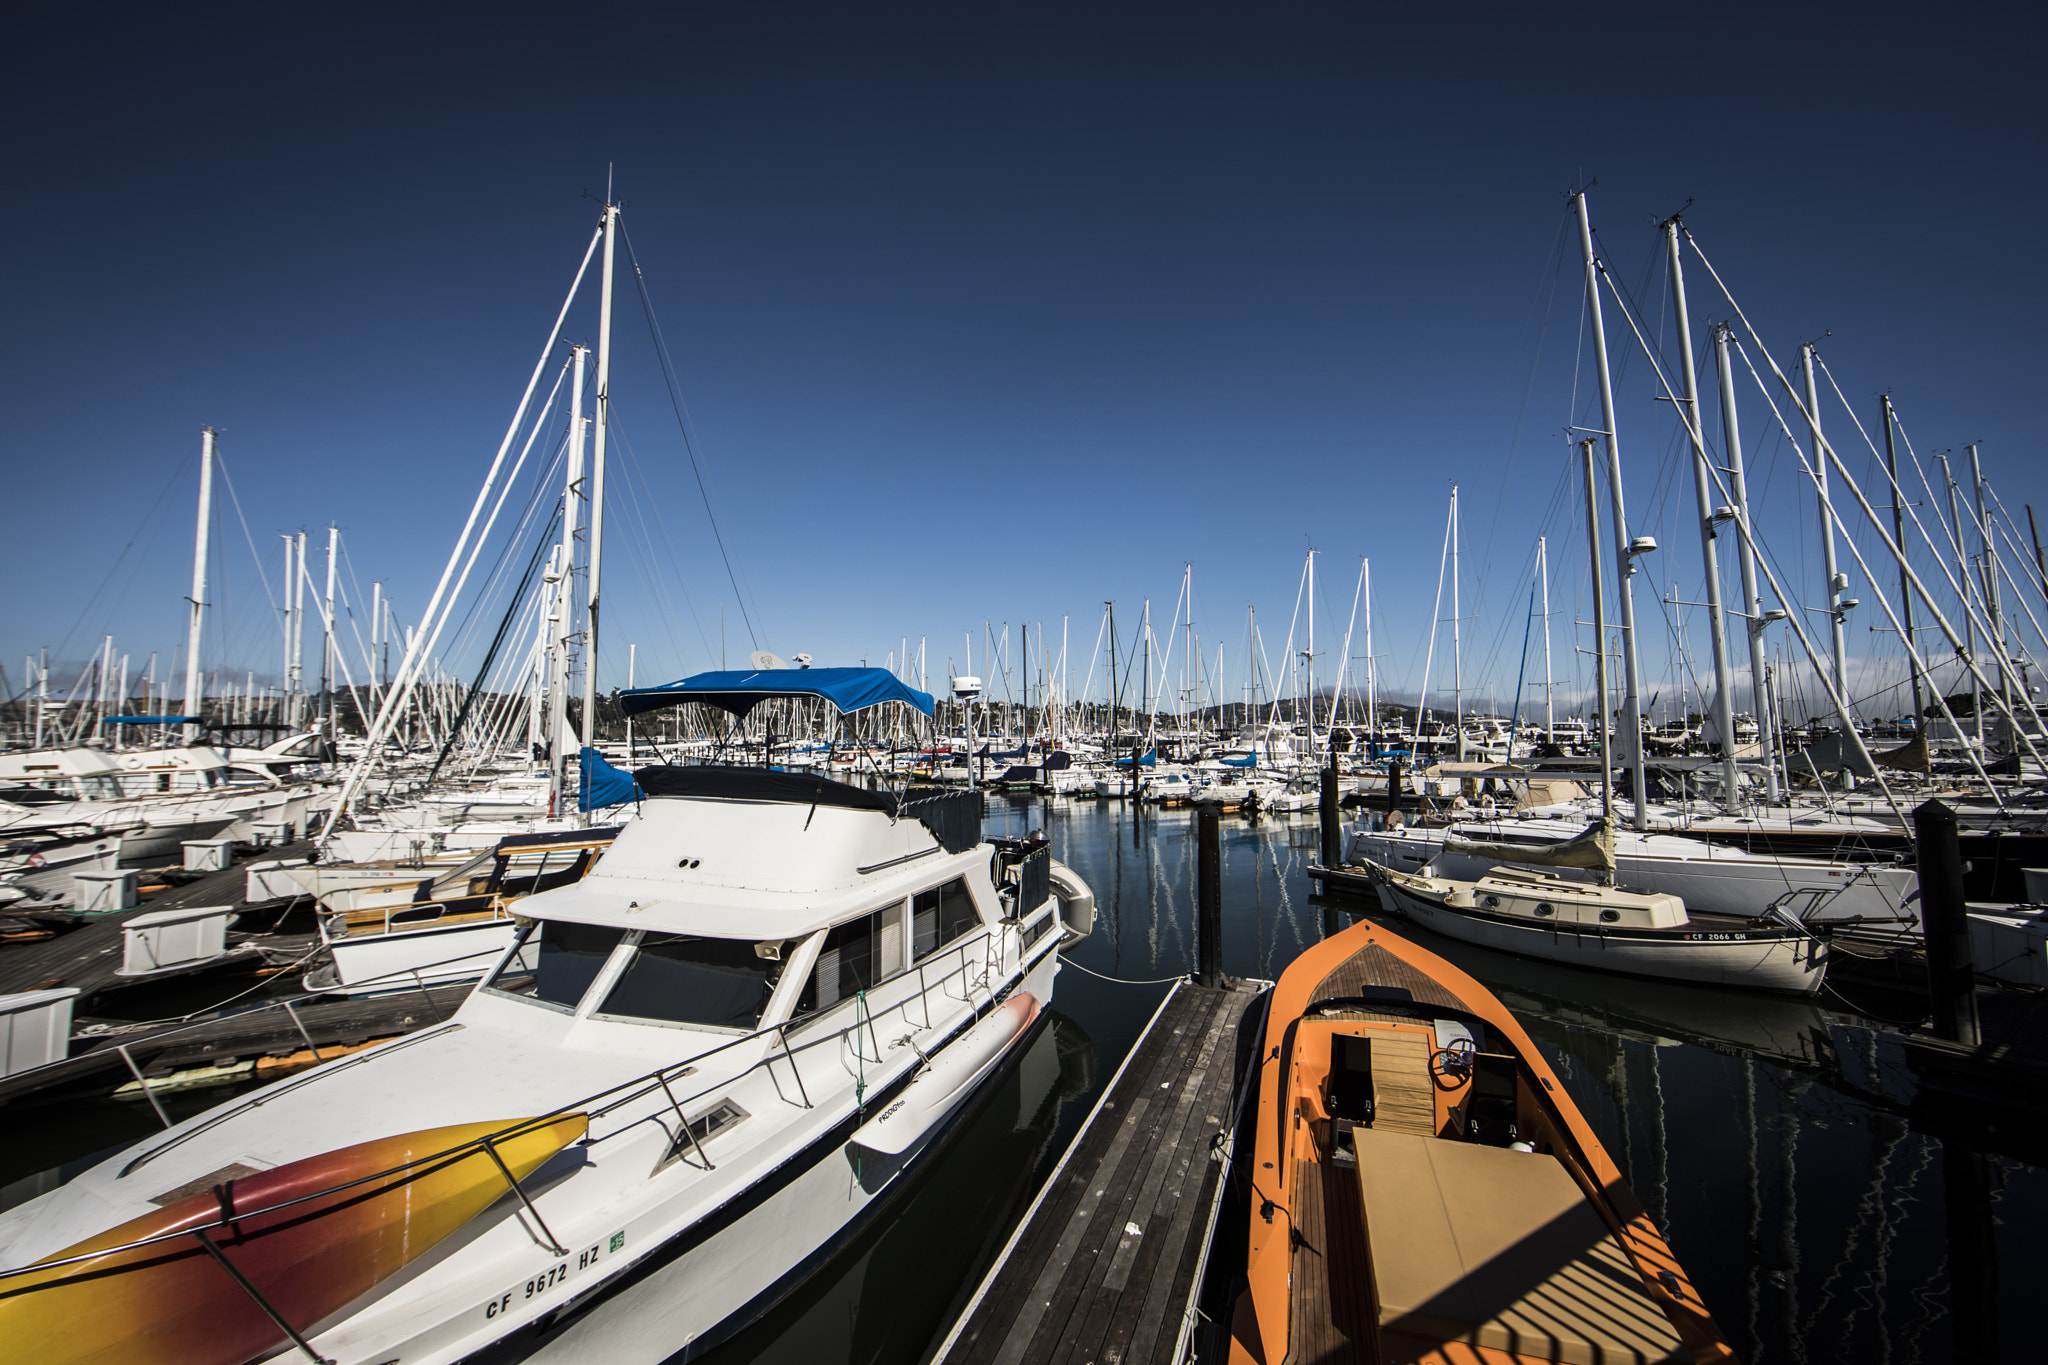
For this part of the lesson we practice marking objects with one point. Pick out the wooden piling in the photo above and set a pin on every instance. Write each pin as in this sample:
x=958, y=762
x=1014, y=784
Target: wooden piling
x=1209, y=897
x=1945, y=924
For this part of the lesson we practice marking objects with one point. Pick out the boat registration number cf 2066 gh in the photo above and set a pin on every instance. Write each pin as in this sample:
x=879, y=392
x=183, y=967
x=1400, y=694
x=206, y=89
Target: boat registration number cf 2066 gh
x=554, y=1277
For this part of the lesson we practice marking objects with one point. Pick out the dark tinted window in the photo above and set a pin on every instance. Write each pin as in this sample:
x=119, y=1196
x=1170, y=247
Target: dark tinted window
x=719, y=982
x=558, y=963
x=852, y=960
x=939, y=916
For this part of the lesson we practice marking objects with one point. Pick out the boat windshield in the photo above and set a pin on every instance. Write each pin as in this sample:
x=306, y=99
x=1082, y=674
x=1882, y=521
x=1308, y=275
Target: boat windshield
x=683, y=979
x=556, y=964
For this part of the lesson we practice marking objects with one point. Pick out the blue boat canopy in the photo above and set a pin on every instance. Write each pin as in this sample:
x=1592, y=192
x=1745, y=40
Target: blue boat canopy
x=154, y=720
x=741, y=690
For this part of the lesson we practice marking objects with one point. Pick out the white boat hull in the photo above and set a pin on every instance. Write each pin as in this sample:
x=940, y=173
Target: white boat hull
x=403, y=961
x=1768, y=961
x=1712, y=880
x=703, y=1293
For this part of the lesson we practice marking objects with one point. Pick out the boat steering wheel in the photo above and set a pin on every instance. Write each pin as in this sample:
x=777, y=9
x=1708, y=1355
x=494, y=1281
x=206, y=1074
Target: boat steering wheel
x=1451, y=1066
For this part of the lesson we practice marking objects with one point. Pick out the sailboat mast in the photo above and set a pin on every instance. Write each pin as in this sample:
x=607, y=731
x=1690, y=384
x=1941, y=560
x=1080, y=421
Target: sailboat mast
x=1836, y=581
x=1955, y=516
x=194, y=702
x=1717, y=633
x=1115, y=697
x=1752, y=599
x=1543, y=576
x=1457, y=643
x=1624, y=548
x=327, y=659
x=1988, y=567
x=1891, y=464
x=1599, y=635
x=1309, y=658
x=574, y=491
x=298, y=587
x=1372, y=696
x=1344, y=660
x=597, y=448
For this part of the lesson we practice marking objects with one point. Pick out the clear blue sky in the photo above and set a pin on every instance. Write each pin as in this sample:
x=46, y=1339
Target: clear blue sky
x=981, y=312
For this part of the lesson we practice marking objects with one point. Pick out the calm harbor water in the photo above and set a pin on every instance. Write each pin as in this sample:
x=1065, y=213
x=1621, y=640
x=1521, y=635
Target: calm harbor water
x=1817, y=1198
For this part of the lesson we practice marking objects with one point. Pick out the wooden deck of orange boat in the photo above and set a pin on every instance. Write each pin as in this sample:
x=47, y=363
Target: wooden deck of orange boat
x=1310, y=1296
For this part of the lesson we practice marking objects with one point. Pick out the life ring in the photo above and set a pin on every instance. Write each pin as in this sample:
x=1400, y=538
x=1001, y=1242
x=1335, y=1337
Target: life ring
x=36, y=860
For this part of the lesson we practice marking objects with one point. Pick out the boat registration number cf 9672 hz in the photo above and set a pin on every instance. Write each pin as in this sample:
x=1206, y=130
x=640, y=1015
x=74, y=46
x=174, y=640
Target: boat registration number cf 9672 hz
x=545, y=1282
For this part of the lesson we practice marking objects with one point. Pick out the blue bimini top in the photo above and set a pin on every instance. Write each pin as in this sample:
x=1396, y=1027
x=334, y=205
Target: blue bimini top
x=741, y=690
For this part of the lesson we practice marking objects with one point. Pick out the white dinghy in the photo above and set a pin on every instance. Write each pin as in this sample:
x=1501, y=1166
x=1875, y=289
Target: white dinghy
x=697, y=1072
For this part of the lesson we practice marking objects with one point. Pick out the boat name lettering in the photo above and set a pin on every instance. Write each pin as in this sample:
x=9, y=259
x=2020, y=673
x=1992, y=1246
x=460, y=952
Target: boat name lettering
x=1719, y=938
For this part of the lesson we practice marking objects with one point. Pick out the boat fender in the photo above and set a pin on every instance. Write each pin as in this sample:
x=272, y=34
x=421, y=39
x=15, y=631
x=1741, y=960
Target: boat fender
x=948, y=1078
x=1077, y=901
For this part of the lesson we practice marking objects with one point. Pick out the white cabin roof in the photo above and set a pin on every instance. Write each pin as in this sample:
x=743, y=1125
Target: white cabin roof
x=751, y=869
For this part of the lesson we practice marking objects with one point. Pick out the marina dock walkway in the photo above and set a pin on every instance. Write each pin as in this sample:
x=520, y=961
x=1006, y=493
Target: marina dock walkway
x=88, y=958
x=1108, y=1261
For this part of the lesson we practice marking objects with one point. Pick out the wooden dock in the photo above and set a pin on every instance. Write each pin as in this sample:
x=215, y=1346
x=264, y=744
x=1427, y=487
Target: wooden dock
x=88, y=958
x=1107, y=1264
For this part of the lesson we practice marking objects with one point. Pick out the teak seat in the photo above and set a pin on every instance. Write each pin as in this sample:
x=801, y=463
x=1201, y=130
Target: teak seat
x=1499, y=1248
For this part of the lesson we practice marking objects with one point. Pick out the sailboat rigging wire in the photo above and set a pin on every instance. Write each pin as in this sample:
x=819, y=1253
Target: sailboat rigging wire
x=1435, y=616
x=421, y=644
x=1841, y=703
x=1555, y=271
x=1898, y=494
x=221, y=464
x=514, y=608
x=533, y=501
x=150, y=522
x=1877, y=589
x=667, y=545
x=2034, y=577
x=675, y=398
x=1898, y=552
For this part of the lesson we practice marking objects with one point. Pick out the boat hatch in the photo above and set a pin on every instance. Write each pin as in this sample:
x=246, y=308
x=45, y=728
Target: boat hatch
x=1350, y=1094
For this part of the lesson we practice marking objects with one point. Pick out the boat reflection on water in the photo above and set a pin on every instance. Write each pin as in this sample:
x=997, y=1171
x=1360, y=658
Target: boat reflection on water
x=893, y=1291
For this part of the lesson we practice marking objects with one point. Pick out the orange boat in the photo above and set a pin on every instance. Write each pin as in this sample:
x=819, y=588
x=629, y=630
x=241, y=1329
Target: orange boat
x=1424, y=1190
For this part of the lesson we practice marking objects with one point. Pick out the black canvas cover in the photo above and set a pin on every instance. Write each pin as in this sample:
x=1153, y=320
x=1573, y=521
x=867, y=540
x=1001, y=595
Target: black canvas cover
x=760, y=784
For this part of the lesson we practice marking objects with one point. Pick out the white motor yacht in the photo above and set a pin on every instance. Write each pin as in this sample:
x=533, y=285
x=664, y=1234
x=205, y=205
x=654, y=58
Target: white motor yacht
x=696, y=1073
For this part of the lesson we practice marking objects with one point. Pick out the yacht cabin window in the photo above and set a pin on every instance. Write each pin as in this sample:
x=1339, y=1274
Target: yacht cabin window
x=684, y=979
x=855, y=956
x=555, y=961
x=939, y=916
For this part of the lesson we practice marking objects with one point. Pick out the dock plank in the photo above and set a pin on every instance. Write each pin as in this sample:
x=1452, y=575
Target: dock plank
x=1103, y=1267
x=87, y=957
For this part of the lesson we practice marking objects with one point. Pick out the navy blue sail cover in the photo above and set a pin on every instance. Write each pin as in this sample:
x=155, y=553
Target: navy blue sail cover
x=603, y=785
x=741, y=690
